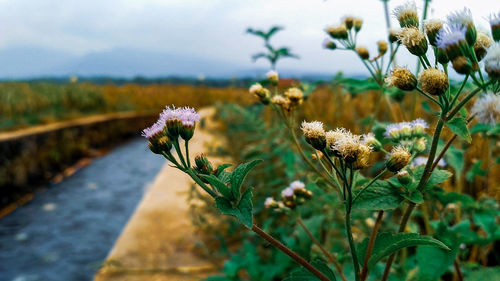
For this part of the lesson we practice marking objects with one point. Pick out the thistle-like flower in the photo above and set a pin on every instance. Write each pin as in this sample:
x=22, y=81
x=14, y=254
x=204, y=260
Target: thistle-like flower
x=463, y=19
x=407, y=14
x=329, y=44
x=281, y=101
x=180, y=121
x=270, y=203
x=492, y=61
x=337, y=32
x=297, y=185
x=487, y=108
x=295, y=96
x=315, y=134
x=495, y=26
x=434, y=81
x=203, y=165
x=155, y=131
x=432, y=28
x=262, y=93
x=362, y=157
x=402, y=78
x=332, y=136
x=483, y=42
x=370, y=141
x=452, y=41
x=273, y=77
x=462, y=65
x=398, y=159
x=287, y=192
x=418, y=127
x=348, y=147
x=414, y=40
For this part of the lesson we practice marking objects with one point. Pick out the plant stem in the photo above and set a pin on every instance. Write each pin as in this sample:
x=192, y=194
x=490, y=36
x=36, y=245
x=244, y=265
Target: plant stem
x=458, y=270
x=348, y=227
x=200, y=183
x=364, y=271
x=289, y=253
x=429, y=97
x=186, y=145
x=329, y=256
x=402, y=226
x=179, y=152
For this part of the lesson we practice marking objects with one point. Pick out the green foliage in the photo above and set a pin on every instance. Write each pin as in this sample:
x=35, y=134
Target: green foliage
x=301, y=274
x=388, y=243
x=459, y=126
x=381, y=195
x=241, y=209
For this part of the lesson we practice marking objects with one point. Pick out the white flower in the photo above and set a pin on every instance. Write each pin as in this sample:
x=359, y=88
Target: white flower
x=269, y=202
x=255, y=88
x=287, y=192
x=419, y=123
x=313, y=129
x=272, y=75
x=408, y=7
x=297, y=185
x=461, y=18
x=492, y=58
x=494, y=19
x=487, y=108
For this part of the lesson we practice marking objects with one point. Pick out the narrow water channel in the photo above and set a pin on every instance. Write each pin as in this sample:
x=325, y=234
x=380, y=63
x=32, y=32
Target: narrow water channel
x=67, y=230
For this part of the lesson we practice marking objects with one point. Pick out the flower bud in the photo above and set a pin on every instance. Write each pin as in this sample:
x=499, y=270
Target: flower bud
x=174, y=128
x=492, y=61
x=495, y=26
x=262, y=93
x=273, y=77
x=187, y=131
x=160, y=145
x=420, y=145
x=432, y=28
x=282, y=102
x=483, y=42
x=349, y=22
x=414, y=40
x=370, y=140
x=402, y=78
x=315, y=134
x=338, y=32
x=329, y=44
x=382, y=47
x=363, y=53
x=462, y=65
x=295, y=96
x=358, y=23
x=203, y=165
x=442, y=58
x=270, y=203
x=434, y=81
x=404, y=177
x=393, y=35
x=398, y=159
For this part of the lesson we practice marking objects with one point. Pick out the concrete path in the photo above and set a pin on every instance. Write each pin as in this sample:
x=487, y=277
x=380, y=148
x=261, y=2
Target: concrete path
x=157, y=242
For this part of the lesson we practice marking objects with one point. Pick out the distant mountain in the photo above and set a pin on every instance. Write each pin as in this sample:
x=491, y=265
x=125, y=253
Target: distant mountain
x=33, y=62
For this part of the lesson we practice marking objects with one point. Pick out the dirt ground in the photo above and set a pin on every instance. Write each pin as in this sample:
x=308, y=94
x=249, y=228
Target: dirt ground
x=158, y=241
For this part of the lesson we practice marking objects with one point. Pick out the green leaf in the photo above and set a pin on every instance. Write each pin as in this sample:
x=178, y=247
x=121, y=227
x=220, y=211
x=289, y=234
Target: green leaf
x=490, y=273
x=381, y=195
x=220, y=186
x=242, y=211
x=438, y=176
x=222, y=167
x=455, y=158
x=475, y=170
x=302, y=274
x=433, y=262
x=389, y=243
x=480, y=128
x=414, y=196
x=458, y=125
x=239, y=174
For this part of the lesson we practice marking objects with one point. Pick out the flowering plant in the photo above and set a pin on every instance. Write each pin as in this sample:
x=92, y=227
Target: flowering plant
x=343, y=162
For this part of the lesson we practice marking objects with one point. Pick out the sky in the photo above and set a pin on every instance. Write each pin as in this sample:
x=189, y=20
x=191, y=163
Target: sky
x=207, y=29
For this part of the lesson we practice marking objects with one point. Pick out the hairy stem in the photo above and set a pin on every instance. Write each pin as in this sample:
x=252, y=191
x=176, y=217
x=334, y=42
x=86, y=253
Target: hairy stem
x=348, y=227
x=289, y=253
x=329, y=256
x=364, y=271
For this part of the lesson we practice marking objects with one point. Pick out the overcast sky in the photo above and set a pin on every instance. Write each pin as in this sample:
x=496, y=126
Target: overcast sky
x=211, y=29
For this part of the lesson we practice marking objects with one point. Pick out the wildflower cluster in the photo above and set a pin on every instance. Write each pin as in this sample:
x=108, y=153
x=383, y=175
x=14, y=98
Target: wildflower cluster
x=410, y=135
x=294, y=195
x=285, y=101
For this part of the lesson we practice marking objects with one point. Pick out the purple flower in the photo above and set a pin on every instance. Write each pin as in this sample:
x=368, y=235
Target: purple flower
x=450, y=36
x=186, y=115
x=287, y=192
x=419, y=123
x=391, y=129
x=154, y=129
x=297, y=185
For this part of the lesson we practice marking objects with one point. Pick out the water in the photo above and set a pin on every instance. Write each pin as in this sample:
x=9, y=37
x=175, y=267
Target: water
x=67, y=230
